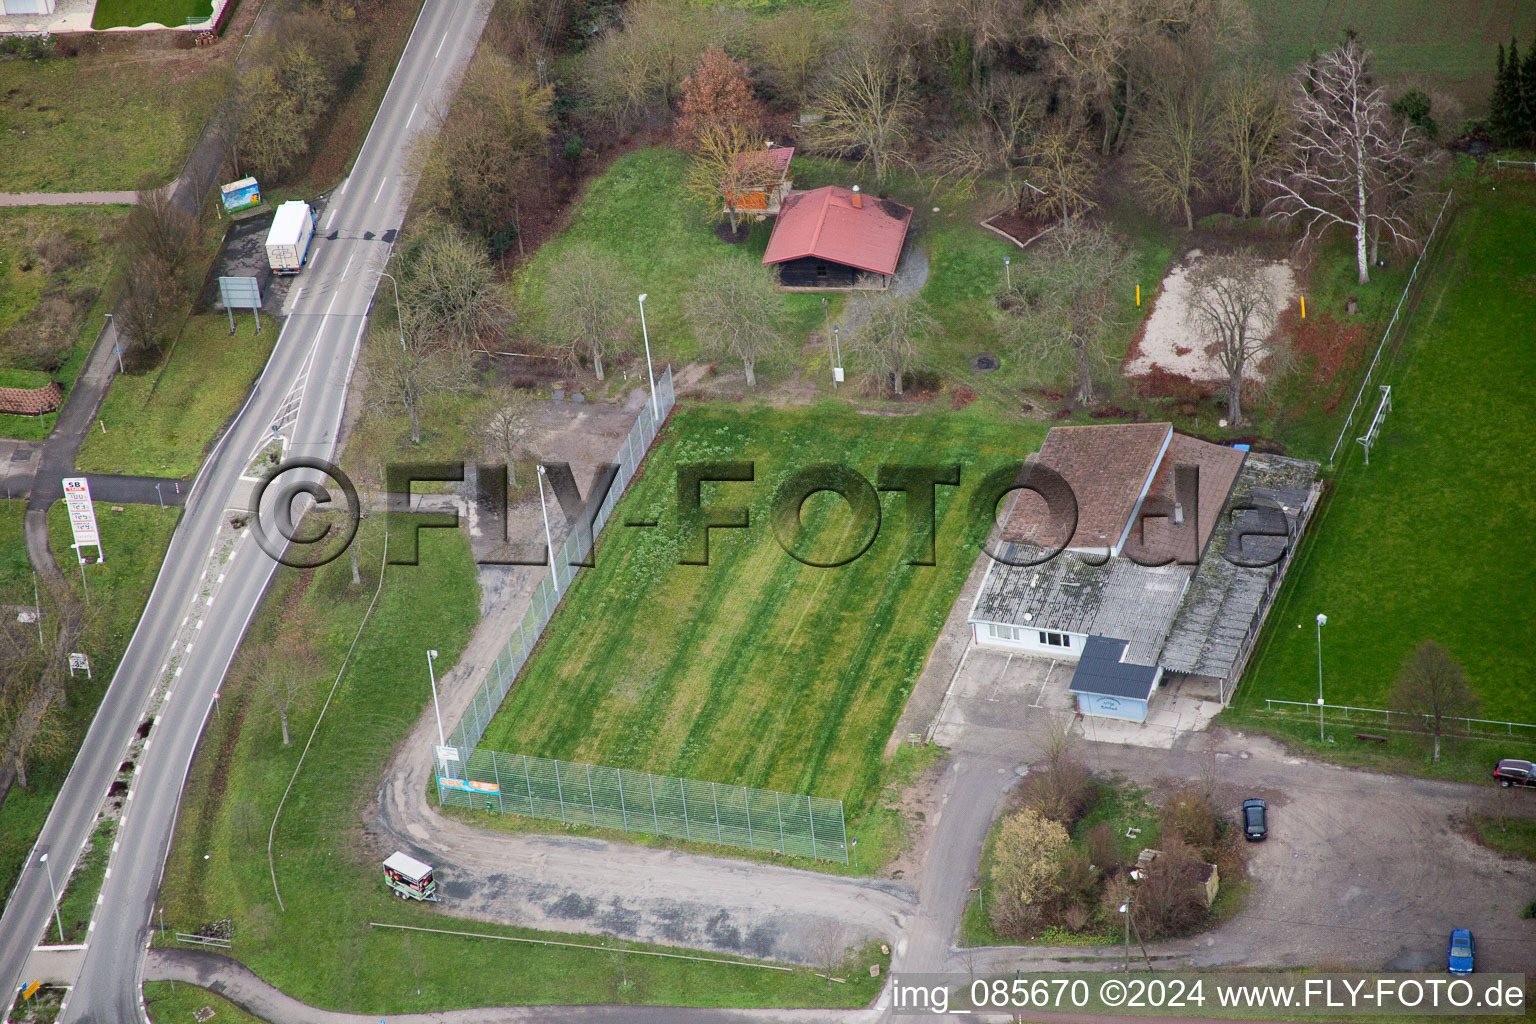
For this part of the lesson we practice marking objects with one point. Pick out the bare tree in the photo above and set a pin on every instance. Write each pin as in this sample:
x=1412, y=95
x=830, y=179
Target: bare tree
x=403, y=371
x=986, y=26
x=158, y=227
x=586, y=304
x=869, y=106
x=1433, y=687
x=996, y=141
x=640, y=70
x=885, y=329
x=280, y=672
x=1062, y=169
x=34, y=660
x=147, y=314
x=792, y=45
x=1250, y=123
x=511, y=414
x=735, y=309
x=1346, y=154
x=1233, y=309
x=1061, y=310
x=449, y=293
x=730, y=165
x=830, y=947
x=1170, y=156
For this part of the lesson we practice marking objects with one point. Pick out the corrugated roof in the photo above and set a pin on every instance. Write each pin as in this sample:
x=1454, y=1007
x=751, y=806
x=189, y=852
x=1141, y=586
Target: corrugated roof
x=825, y=224
x=1101, y=671
x=1108, y=466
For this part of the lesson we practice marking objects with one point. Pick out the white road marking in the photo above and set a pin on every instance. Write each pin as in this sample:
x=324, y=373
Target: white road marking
x=440, y=46
x=167, y=694
x=331, y=217
x=189, y=647
x=298, y=293
x=349, y=262
x=333, y=303
x=178, y=676
x=115, y=845
x=381, y=189
x=221, y=577
x=413, y=114
x=99, y=897
x=199, y=624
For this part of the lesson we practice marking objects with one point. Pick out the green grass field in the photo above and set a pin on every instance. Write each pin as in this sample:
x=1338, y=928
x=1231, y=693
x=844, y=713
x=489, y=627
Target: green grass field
x=181, y=1003
x=95, y=122
x=163, y=422
x=1448, y=44
x=55, y=264
x=755, y=669
x=135, y=540
x=132, y=13
x=1416, y=546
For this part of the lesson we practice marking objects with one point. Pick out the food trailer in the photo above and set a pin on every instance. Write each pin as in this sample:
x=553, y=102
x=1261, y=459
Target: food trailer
x=409, y=877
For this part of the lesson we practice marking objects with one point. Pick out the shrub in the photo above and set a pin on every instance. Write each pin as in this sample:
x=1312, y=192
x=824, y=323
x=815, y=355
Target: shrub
x=1190, y=816
x=1170, y=900
x=1104, y=847
x=1025, y=870
x=1061, y=791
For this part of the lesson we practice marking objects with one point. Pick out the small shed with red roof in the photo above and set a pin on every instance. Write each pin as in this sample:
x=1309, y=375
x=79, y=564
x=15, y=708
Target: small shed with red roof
x=834, y=238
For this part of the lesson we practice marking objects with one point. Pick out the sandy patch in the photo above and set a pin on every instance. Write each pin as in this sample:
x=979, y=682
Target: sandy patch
x=1169, y=340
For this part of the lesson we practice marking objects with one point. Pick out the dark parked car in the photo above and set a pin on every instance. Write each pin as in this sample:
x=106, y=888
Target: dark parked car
x=1510, y=772
x=1458, y=960
x=1255, y=820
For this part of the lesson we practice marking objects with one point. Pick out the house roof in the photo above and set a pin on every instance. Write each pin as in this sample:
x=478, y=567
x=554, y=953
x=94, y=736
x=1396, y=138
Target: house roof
x=777, y=158
x=1109, y=468
x=825, y=224
x=1101, y=671
x=1156, y=537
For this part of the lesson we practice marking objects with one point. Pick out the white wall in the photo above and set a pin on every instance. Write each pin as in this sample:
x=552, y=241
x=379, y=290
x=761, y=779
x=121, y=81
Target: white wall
x=26, y=6
x=1029, y=640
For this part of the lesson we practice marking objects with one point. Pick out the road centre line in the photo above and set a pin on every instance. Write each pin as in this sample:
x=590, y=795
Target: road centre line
x=380, y=193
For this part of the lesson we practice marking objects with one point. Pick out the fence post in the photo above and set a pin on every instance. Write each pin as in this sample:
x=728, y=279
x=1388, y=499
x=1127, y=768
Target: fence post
x=682, y=791
x=810, y=812
x=591, y=798
x=778, y=805
x=714, y=798
x=559, y=789
x=746, y=801
x=623, y=811
x=501, y=805
x=650, y=780
x=528, y=782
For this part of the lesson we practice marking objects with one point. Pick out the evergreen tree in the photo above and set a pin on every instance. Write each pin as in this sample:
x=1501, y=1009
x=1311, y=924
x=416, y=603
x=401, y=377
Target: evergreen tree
x=1503, y=109
x=1528, y=94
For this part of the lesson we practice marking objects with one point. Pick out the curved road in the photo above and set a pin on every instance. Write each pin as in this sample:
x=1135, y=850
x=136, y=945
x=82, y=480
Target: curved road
x=316, y=348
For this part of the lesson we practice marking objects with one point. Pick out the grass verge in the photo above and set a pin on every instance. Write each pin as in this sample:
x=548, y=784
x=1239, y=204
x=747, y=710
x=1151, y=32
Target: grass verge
x=757, y=669
x=163, y=422
x=135, y=540
x=134, y=13
x=1442, y=554
x=180, y=1004
x=1513, y=836
x=78, y=901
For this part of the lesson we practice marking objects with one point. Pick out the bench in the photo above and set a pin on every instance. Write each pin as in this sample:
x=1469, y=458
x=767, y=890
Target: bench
x=1370, y=736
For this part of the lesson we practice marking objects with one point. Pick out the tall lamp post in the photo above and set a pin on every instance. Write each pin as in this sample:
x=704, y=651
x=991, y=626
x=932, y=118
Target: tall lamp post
x=549, y=541
x=442, y=741
x=837, y=341
x=649, y=373
x=1125, y=908
x=399, y=309
x=57, y=917
x=117, y=343
x=1007, y=273
x=1322, y=620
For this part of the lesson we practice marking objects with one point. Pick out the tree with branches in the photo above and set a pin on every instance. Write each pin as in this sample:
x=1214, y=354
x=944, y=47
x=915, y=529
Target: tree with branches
x=997, y=141
x=885, y=329
x=735, y=309
x=1062, y=173
x=503, y=430
x=1250, y=123
x=729, y=165
x=869, y=106
x=449, y=293
x=1060, y=313
x=1349, y=162
x=1432, y=687
x=1170, y=159
x=1233, y=310
x=586, y=305
x=280, y=672
x=792, y=44
x=407, y=367
x=1024, y=869
x=717, y=95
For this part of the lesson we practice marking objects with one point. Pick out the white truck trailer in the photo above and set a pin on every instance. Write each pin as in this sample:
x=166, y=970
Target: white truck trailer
x=288, y=240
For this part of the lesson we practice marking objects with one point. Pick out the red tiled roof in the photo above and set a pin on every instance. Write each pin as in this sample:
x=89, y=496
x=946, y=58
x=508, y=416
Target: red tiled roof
x=31, y=401
x=1107, y=466
x=777, y=158
x=1218, y=467
x=824, y=223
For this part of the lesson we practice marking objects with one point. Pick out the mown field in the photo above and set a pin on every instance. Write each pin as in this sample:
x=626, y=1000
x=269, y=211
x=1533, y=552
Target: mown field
x=756, y=669
x=1416, y=546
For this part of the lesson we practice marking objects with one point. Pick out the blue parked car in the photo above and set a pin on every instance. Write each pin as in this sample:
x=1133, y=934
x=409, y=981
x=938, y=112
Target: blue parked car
x=1459, y=959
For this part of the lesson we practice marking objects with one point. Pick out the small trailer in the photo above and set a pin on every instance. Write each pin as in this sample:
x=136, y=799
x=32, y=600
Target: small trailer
x=288, y=239
x=409, y=877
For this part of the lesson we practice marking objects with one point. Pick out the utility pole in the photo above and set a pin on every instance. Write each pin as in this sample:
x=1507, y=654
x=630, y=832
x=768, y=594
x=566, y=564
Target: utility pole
x=1322, y=620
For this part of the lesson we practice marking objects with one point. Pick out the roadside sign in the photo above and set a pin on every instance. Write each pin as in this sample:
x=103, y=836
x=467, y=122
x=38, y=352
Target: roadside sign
x=447, y=753
x=241, y=293
x=79, y=662
x=82, y=517
x=31, y=990
x=467, y=785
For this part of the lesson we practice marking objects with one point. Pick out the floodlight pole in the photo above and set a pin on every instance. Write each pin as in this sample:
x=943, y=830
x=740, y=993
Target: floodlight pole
x=650, y=375
x=117, y=347
x=399, y=310
x=549, y=541
x=57, y=917
x=1322, y=620
x=432, y=675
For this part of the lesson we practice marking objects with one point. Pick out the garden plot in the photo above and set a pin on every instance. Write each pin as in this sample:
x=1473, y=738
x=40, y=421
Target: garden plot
x=1170, y=342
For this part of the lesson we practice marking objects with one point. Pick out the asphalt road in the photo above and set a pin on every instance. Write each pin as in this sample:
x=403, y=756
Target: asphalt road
x=327, y=317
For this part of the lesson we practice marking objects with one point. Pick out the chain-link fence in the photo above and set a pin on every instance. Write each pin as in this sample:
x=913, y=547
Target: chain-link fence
x=547, y=597
x=658, y=805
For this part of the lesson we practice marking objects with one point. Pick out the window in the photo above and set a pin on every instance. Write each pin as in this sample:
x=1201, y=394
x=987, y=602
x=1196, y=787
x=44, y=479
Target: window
x=998, y=632
x=1055, y=639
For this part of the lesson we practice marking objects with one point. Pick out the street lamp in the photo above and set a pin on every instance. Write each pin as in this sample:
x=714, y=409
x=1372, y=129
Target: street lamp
x=649, y=374
x=399, y=310
x=160, y=496
x=1322, y=620
x=432, y=675
x=1125, y=908
x=549, y=541
x=1008, y=273
x=837, y=342
x=117, y=347
x=57, y=917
